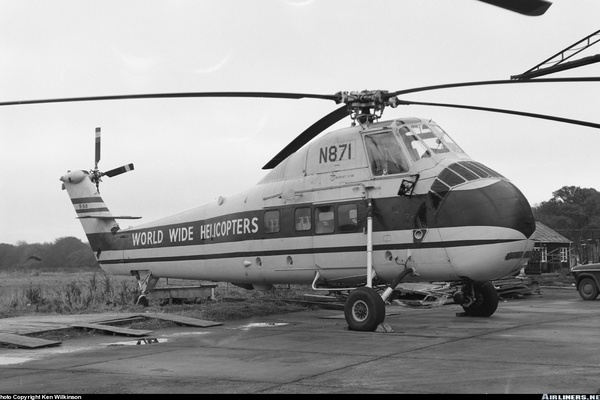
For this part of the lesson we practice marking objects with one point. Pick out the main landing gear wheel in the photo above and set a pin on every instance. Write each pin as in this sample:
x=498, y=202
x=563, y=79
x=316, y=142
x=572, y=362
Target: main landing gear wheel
x=587, y=289
x=364, y=310
x=485, y=302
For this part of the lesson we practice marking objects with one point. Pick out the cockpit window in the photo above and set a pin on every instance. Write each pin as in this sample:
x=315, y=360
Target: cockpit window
x=416, y=148
x=456, y=174
x=423, y=140
x=385, y=154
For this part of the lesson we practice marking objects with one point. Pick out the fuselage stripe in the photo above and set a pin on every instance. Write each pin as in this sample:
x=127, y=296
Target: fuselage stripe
x=82, y=200
x=91, y=210
x=311, y=250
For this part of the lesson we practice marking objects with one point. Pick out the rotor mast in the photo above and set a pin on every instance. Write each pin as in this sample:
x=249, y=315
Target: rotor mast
x=366, y=106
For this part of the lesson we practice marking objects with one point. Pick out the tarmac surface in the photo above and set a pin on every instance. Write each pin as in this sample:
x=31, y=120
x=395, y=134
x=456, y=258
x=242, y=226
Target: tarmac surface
x=546, y=343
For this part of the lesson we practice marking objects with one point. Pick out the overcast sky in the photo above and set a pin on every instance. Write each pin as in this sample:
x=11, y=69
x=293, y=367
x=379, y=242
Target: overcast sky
x=190, y=151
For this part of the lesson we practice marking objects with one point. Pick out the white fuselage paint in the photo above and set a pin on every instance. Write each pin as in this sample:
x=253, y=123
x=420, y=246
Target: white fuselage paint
x=226, y=240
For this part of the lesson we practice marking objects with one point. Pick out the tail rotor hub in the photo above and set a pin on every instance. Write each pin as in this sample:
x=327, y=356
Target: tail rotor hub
x=96, y=174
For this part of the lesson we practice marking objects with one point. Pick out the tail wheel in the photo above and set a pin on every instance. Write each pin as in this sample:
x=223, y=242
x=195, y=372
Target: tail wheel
x=486, y=300
x=140, y=299
x=587, y=289
x=364, y=310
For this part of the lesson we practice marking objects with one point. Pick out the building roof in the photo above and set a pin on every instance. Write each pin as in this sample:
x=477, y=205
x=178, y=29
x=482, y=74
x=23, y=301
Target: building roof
x=547, y=235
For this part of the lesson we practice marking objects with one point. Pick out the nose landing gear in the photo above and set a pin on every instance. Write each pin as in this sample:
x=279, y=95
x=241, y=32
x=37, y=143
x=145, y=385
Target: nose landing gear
x=478, y=299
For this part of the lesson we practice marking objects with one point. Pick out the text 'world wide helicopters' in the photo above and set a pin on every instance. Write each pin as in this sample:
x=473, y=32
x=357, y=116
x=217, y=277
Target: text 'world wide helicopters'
x=355, y=210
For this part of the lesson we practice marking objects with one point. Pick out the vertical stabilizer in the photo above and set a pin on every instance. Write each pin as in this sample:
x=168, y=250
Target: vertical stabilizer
x=96, y=219
x=83, y=187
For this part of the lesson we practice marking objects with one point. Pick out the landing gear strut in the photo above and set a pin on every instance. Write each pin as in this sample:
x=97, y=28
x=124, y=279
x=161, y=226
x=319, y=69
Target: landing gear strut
x=478, y=299
x=144, y=286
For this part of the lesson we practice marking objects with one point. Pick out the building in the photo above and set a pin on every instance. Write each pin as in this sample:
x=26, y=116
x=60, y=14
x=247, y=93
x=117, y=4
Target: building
x=551, y=253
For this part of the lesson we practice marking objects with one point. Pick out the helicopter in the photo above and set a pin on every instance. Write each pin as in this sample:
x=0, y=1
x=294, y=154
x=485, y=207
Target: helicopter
x=356, y=210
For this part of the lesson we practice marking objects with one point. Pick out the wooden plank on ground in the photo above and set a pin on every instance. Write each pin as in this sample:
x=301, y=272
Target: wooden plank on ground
x=181, y=320
x=118, y=321
x=26, y=341
x=114, y=329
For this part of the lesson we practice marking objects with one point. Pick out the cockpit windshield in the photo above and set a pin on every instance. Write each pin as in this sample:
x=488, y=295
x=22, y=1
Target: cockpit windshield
x=423, y=140
x=387, y=150
x=385, y=154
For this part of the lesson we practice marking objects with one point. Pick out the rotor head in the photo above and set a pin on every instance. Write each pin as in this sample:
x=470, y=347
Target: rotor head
x=366, y=106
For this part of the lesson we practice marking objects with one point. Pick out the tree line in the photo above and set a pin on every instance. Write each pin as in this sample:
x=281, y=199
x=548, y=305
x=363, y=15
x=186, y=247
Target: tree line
x=66, y=253
x=574, y=212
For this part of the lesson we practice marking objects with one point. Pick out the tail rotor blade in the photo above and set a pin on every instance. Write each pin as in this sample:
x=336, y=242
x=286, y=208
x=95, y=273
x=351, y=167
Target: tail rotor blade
x=119, y=171
x=97, y=146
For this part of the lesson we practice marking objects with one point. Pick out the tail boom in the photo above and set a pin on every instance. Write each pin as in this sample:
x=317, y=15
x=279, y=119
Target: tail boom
x=89, y=206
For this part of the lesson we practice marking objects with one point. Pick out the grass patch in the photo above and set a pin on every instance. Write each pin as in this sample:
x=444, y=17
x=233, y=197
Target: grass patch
x=30, y=293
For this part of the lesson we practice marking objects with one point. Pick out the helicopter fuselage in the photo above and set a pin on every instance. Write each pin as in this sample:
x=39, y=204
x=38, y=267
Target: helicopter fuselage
x=431, y=207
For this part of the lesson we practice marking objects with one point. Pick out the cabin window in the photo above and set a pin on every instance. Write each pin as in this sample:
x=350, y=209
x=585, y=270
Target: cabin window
x=302, y=218
x=271, y=221
x=564, y=254
x=324, y=220
x=348, y=218
x=385, y=154
x=543, y=254
x=535, y=256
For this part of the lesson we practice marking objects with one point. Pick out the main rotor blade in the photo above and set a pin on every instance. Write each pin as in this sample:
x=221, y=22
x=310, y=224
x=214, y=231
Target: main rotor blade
x=282, y=95
x=119, y=171
x=273, y=95
x=532, y=8
x=504, y=111
x=493, y=82
x=308, y=135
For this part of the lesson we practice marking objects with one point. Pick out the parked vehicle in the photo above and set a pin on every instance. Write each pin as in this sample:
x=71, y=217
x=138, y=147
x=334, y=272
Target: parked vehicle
x=587, y=280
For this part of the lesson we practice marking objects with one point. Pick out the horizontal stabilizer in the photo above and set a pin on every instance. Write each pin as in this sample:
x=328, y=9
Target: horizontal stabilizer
x=109, y=217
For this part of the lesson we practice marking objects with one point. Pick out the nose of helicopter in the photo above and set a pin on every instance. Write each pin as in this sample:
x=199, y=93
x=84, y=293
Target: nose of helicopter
x=492, y=228
x=479, y=203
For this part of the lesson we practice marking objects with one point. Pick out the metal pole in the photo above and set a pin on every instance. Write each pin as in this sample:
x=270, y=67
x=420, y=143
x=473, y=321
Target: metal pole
x=370, y=245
